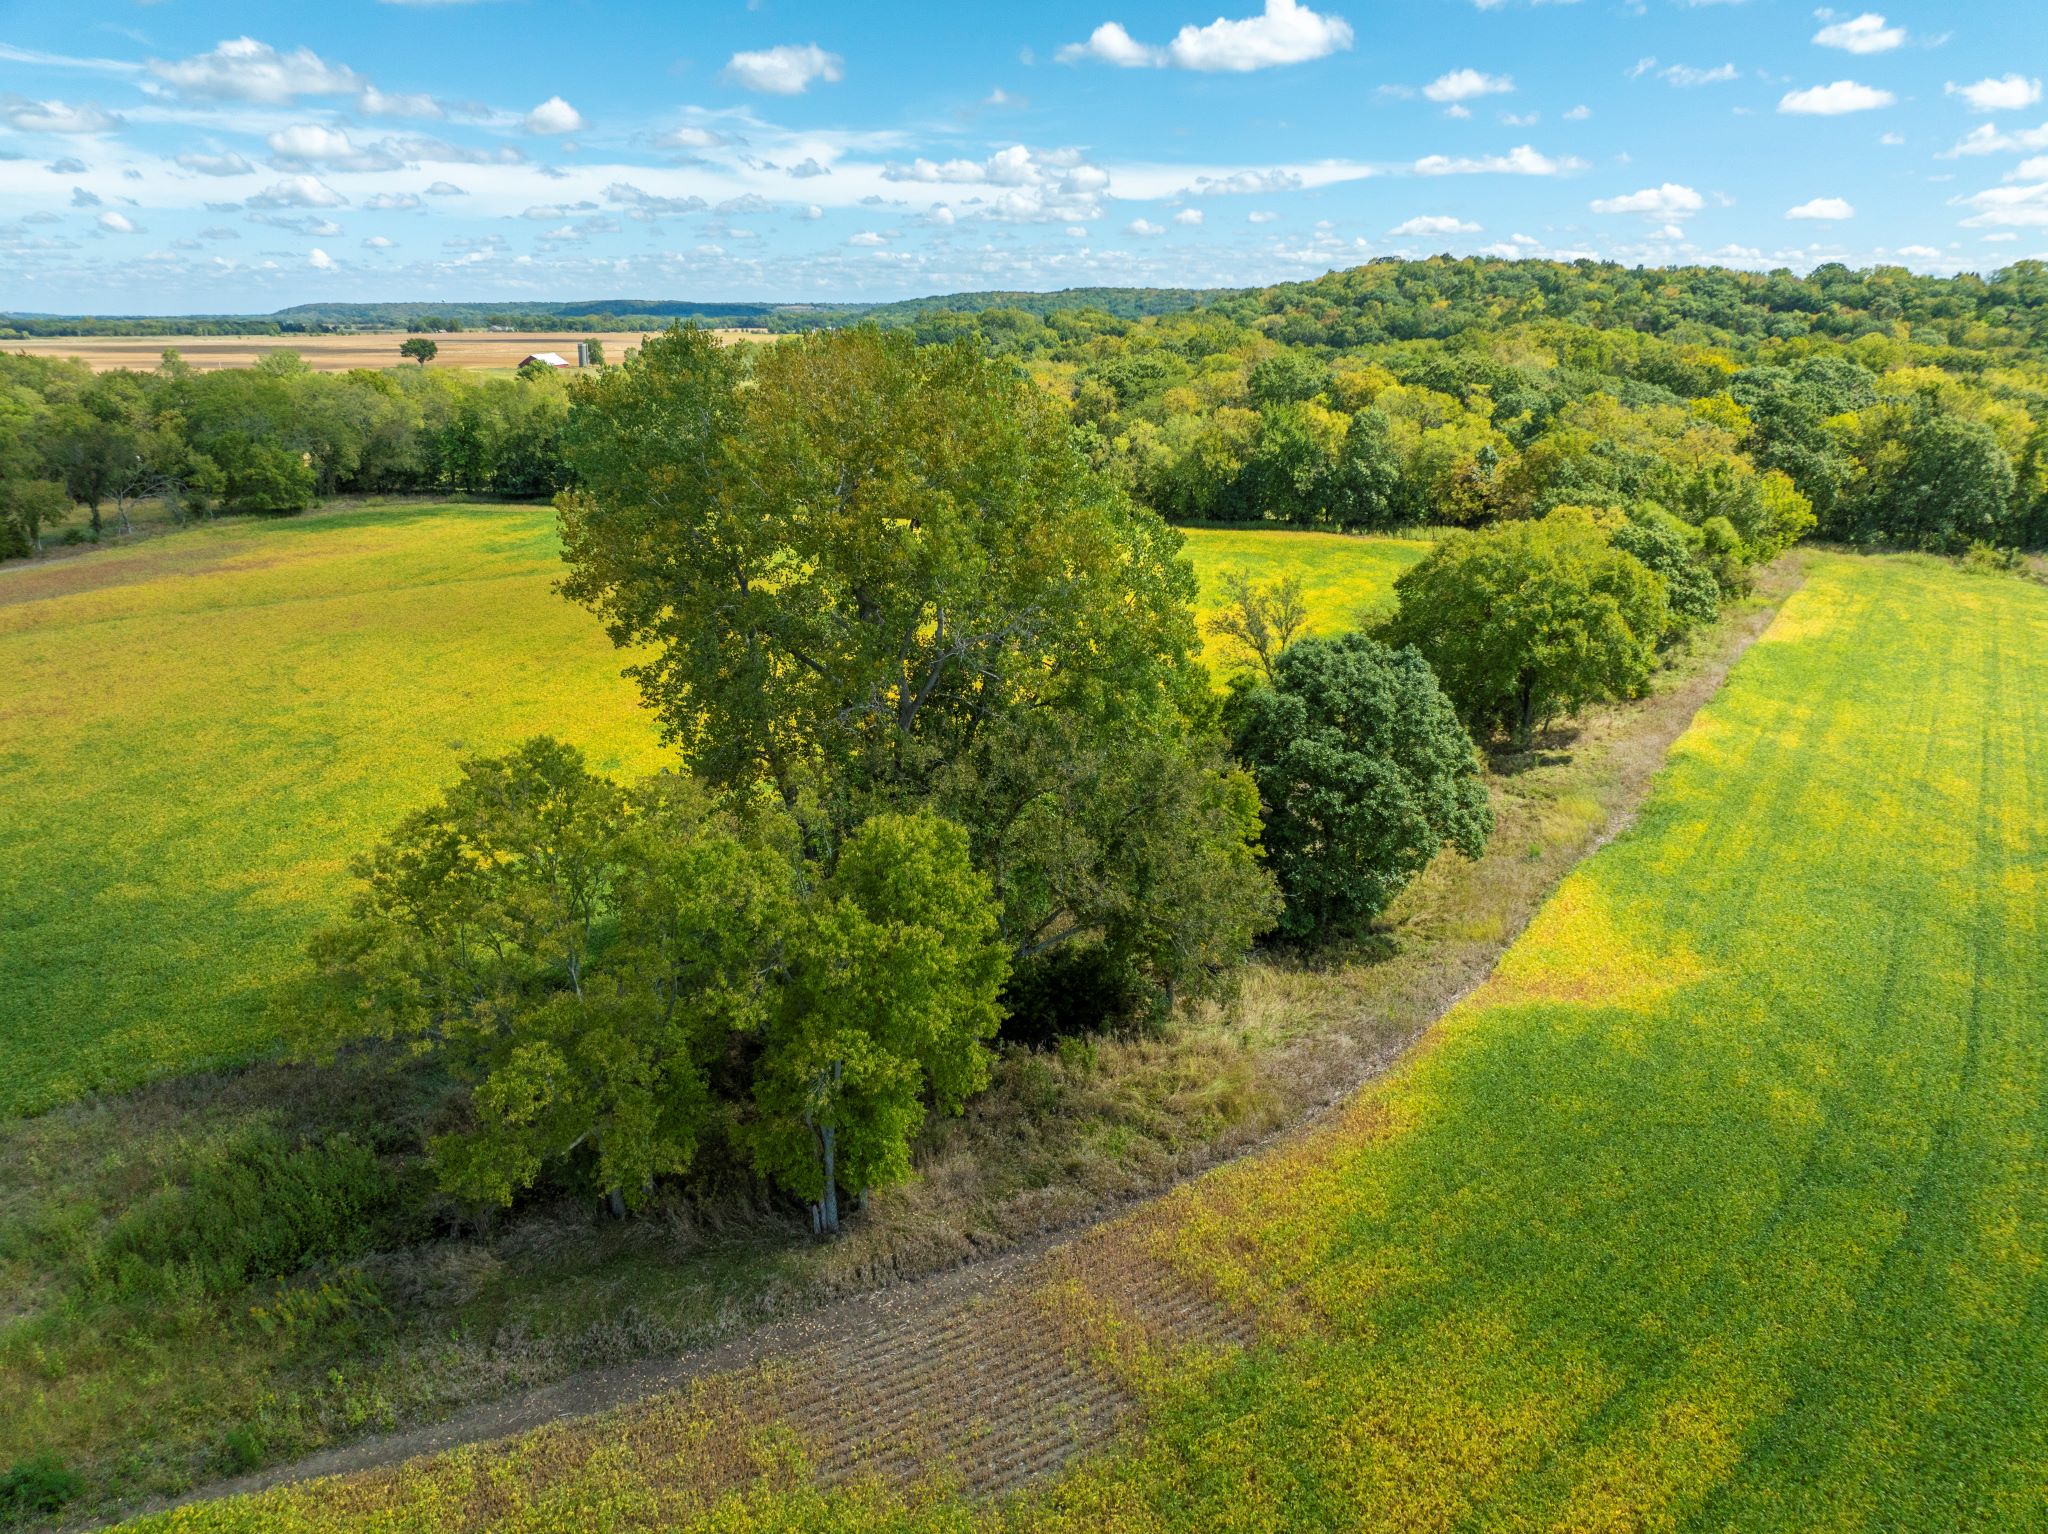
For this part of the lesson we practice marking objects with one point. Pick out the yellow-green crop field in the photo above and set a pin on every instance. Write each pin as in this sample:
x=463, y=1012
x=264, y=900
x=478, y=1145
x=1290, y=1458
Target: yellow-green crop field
x=1721, y=1206
x=196, y=732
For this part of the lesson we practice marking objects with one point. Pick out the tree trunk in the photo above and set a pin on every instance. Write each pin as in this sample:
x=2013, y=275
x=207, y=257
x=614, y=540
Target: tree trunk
x=615, y=1200
x=825, y=1213
x=828, y=1203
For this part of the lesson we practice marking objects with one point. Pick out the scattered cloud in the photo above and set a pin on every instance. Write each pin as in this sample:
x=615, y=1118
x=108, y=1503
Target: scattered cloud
x=788, y=70
x=1835, y=100
x=224, y=164
x=116, y=223
x=1287, y=32
x=1433, y=224
x=2007, y=93
x=243, y=69
x=1466, y=85
x=1519, y=161
x=1831, y=208
x=1667, y=202
x=376, y=103
x=319, y=260
x=1985, y=139
x=1188, y=217
x=1144, y=228
x=552, y=116
x=1244, y=183
x=1866, y=33
x=55, y=116
x=298, y=192
x=1686, y=76
x=2022, y=205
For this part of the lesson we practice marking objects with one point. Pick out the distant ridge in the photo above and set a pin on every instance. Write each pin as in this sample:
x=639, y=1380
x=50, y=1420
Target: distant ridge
x=598, y=314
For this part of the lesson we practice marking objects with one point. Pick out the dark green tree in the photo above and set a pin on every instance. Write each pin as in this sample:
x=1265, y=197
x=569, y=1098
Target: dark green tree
x=1364, y=774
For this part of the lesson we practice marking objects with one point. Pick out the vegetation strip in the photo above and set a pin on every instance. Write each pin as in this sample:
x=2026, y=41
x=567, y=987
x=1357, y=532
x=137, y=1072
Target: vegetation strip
x=1315, y=1032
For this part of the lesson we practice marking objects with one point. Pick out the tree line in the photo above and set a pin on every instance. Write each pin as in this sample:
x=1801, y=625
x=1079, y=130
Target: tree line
x=77, y=447
x=950, y=767
x=1903, y=410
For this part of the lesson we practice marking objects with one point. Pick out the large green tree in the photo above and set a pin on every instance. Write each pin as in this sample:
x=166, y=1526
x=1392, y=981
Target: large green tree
x=866, y=575
x=891, y=993
x=609, y=973
x=1527, y=621
x=1364, y=773
x=575, y=955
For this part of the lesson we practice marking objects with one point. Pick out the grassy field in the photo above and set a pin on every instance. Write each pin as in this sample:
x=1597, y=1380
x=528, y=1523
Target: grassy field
x=200, y=730
x=330, y=354
x=1720, y=1206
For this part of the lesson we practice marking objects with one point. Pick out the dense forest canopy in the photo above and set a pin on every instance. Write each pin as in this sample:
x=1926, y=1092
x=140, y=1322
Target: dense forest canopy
x=1901, y=409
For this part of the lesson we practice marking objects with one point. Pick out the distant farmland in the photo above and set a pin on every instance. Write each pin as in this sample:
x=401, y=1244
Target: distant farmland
x=331, y=353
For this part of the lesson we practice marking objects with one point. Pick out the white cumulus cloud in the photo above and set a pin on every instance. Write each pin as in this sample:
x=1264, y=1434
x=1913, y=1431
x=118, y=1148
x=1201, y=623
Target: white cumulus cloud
x=1519, y=161
x=1666, y=202
x=243, y=69
x=1434, y=223
x=298, y=192
x=787, y=70
x=2007, y=93
x=1834, y=100
x=54, y=116
x=1286, y=32
x=1465, y=84
x=116, y=223
x=320, y=260
x=1859, y=34
x=1822, y=208
x=554, y=115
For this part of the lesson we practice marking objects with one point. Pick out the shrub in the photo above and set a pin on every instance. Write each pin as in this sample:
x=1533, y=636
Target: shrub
x=1364, y=773
x=254, y=1208
x=35, y=1488
x=1070, y=992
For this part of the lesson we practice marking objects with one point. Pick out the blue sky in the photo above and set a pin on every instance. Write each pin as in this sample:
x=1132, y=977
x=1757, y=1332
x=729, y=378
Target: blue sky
x=195, y=155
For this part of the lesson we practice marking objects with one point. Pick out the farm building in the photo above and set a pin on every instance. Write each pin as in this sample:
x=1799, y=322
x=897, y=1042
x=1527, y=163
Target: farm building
x=547, y=359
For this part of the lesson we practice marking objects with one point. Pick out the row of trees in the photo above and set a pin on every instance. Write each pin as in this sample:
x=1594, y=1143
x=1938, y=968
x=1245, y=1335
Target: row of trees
x=1902, y=410
x=271, y=438
x=1205, y=421
x=949, y=757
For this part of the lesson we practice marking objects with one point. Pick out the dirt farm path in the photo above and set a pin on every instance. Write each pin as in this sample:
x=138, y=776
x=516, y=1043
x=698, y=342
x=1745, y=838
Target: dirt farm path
x=991, y=1374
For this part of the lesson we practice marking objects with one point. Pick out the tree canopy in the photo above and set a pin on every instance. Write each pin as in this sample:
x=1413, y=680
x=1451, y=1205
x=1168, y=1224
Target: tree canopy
x=1364, y=774
x=874, y=575
x=1525, y=621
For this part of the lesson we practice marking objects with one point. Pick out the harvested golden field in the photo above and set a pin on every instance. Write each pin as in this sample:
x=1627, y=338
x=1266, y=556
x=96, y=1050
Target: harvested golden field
x=333, y=354
x=205, y=727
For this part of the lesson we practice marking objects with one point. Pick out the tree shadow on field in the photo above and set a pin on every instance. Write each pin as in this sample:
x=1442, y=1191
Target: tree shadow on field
x=1549, y=748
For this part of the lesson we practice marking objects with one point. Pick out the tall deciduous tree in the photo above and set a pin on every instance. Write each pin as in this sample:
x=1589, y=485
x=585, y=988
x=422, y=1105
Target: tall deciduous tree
x=892, y=992
x=1527, y=621
x=575, y=954
x=872, y=576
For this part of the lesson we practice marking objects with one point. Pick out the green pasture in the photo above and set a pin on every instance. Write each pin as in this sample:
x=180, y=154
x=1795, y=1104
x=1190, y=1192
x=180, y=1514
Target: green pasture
x=198, y=730
x=1720, y=1206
